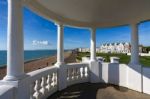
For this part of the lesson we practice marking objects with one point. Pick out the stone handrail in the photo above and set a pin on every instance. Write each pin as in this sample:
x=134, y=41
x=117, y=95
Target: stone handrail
x=43, y=82
x=77, y=73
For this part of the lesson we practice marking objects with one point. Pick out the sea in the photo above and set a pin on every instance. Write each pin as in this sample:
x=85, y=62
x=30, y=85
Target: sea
x=28, y=55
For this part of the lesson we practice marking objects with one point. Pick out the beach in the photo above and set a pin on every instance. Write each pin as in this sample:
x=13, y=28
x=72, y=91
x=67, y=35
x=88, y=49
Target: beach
x=41, y=63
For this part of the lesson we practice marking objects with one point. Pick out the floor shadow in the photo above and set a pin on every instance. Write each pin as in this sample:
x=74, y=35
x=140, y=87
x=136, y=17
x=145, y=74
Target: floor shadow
x=79, y=91
x=97, y=91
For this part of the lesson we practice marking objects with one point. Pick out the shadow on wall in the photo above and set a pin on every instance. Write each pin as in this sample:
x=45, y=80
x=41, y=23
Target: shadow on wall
x=113, y=73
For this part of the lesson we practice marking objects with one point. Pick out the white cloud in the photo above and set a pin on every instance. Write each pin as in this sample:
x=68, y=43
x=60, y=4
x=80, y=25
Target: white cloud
x=41, y=42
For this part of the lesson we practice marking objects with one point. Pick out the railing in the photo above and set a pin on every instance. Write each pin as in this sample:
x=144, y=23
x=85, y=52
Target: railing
x=77, y=73
x=43, y=82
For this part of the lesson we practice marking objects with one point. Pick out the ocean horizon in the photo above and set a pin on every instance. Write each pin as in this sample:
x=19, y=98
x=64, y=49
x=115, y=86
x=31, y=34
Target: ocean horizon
x=28, y=55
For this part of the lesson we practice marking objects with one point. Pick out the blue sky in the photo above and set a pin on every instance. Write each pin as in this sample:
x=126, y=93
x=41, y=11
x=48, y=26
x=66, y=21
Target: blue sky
x=40, y=33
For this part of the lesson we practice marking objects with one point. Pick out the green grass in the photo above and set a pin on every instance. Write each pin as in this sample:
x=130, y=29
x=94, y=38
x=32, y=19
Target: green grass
x=144, y=60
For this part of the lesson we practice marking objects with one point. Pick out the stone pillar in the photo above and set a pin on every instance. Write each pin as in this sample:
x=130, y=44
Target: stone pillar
x=94, y=64
x=15, y=50
x=93, y=44
x=134, y=45
x=60, y=44
x=134, y=71
x=62, y=70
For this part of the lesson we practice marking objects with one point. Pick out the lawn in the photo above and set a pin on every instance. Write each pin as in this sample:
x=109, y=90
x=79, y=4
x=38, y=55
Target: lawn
x=144, y=60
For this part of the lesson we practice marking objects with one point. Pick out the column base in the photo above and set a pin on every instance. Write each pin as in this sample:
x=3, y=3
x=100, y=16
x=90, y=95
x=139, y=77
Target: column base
x=134, y=63
x=62, y=76
x=94, y=72
x=14, y=78
x=93, y=60
x=59, y=64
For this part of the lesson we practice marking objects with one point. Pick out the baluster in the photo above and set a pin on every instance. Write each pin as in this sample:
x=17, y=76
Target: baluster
x=49, y=81
x=32, y=90
x=86, y=71
x=78, y=73
x=55, y=79
x=37, y=87
x=69, y=74
x=72, y=73
x=43, y=86
x=83, y=72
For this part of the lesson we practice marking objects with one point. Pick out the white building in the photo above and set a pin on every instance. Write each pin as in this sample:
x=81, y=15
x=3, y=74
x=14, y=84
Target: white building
x=83, y=49
x=115, y=48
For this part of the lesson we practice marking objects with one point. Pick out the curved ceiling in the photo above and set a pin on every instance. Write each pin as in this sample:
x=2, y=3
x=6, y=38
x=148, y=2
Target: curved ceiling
x=92, y=13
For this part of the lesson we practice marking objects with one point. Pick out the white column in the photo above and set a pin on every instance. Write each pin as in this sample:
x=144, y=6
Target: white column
x=15, y=54
x=134, y=45
x=62, y=68
x=134, y=70
x=94, y=65
x=93, y=44
x=60, y=44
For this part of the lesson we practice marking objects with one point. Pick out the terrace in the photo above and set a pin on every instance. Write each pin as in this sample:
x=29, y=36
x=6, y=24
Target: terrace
x=90, y=14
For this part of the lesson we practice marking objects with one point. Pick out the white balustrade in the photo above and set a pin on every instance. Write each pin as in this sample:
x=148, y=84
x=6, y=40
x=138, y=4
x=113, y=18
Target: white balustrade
x=77, y=73
x=43, y=82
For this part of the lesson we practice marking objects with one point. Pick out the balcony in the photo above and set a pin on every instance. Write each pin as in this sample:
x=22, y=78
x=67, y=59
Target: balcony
x=91, y=76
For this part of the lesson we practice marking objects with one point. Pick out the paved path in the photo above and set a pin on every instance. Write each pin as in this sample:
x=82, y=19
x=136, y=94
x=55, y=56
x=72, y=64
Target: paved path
x=98, y=91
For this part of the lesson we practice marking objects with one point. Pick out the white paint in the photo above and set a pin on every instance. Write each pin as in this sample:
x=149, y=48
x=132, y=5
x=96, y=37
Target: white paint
x=62, y=76
x=60, y=44
x=93, y=44
x=134, y=77
x=77, y=73
x=85, y=59
x=114, y=60
x=6, y=92
x=134, y=74
x=113, y=73
x=92, y=12
x=123, y=75
x=15, y=54
x=95, y=71
x=104, y=74
x=134, y=45
x=146, y=80
x=140, y=54
x=100, y=59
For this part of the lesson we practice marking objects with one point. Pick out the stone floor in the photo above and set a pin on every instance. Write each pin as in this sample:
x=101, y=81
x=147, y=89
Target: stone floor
x=98, y=91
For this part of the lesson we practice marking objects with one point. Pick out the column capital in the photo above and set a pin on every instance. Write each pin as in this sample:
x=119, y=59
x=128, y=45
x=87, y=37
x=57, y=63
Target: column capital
x=92, y=29
x=60, y=24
